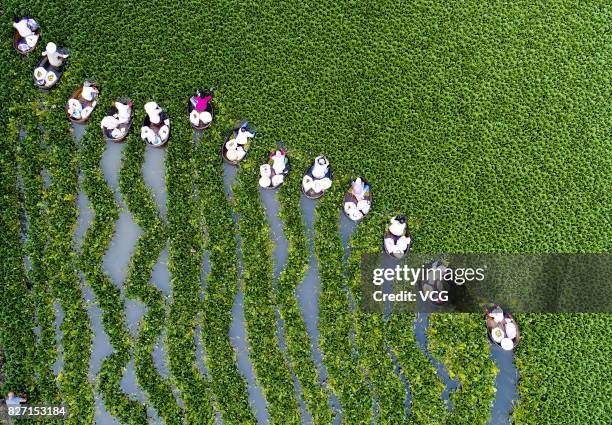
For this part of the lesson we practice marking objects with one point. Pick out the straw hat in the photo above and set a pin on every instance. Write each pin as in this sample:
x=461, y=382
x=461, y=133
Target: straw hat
x=510, y=330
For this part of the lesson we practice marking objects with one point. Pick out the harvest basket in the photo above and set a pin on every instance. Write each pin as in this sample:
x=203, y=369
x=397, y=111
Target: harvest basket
x=44, y=63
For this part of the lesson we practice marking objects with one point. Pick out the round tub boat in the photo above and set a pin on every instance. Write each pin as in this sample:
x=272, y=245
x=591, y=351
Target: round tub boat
x=157, y=127
x=498, y=330
x=389, y=235
x=209, y=108
x=18, y=41
x=84, y=104
x=124, y=127
x=350, y=197
x=272, y=184
x=232, y=136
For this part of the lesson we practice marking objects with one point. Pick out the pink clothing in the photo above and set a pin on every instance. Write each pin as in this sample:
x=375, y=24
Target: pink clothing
x=201, y=103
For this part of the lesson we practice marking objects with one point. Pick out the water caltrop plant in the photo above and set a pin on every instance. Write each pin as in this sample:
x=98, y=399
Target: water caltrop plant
x=475, y=120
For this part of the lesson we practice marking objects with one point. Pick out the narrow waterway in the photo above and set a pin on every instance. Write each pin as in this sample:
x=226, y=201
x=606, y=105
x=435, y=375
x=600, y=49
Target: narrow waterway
x=421, y=324
x=281, y=246
x=238, y=332
x=505, y=384
x=307, y=293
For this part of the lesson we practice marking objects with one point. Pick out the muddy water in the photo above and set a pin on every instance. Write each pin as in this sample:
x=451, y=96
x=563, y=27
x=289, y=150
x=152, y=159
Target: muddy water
x=272, y=207
x=420, y=332
x=101, y=347
x=308, y=292
x=117, y=258
x=505, y=385
x=238, y=334
x=154, y=174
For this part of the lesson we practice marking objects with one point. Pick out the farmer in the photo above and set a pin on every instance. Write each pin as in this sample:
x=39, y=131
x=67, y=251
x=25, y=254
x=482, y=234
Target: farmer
x=200, y=110
x=14, y=400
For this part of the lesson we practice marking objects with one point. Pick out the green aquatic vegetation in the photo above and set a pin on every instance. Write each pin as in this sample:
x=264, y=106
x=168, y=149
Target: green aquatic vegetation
x=271, y=369
x=564, y=374
x=426, y=405
x=346, y=379
x=475, y=119
x=184, y=265
x=229, y=387
x=108, y=296
x=17, y=306
x=459, y=341
x=370, y=328
x=61, y=162
x=299, y=347
x=16, y=335
x=142, y=207
x=30, y=160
